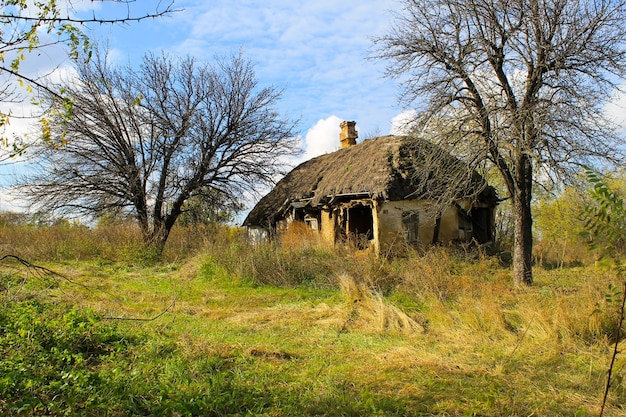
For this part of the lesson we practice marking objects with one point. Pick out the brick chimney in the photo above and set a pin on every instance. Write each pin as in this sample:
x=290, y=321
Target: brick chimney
x=348, y=134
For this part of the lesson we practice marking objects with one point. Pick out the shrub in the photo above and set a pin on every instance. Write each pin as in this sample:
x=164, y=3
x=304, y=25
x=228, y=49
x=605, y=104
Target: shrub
x=288, y=266
x=50, y=358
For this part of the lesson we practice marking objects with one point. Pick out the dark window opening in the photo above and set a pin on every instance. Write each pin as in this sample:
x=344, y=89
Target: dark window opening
x=360, y=225
x=298, y=215
x=481, y=223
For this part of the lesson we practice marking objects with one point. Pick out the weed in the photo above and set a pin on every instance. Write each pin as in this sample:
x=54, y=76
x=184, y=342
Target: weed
x=286, y=329
x=50, y=358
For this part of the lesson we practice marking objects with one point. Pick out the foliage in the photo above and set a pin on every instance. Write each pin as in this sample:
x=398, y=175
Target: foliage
x=560, y=232
x=35, y=27
x=519, y=86
x=607, y=218
x=50, y=358
x=567, y=237
x=208, y=206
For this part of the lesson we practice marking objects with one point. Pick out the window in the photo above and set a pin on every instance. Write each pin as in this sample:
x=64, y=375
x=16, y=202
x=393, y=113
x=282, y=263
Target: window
x=312, y=222
x=411, y=225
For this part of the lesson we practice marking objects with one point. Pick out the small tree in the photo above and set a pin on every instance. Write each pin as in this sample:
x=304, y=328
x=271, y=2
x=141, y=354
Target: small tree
x=559, y=227
x=607, y=218
x=515, y=84
x=152, y=140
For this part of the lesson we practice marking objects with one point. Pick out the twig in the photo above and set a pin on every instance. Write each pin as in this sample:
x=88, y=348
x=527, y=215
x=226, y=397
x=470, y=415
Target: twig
x=41, y=271
x=615, y=349
x=519, y=341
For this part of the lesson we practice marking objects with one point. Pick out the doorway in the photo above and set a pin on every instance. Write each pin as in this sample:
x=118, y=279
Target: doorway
x=360, y=225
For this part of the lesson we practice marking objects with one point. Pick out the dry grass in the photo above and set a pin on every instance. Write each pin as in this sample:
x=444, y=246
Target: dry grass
x=298, y=235
x=120, y=241
x=369, y=309
x=324, y=331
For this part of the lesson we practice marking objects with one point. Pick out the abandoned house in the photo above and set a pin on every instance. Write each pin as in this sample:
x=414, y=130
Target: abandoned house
x=369, y=192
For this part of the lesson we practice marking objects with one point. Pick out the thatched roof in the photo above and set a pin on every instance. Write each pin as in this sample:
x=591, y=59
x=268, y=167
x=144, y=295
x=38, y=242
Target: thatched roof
x=383, y=168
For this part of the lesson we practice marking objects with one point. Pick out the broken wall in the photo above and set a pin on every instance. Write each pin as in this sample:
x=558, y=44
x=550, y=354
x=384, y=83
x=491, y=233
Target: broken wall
x=414, y=222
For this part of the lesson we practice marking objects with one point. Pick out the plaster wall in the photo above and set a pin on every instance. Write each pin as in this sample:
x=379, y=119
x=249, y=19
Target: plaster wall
x=327, y=228
x=391, y=230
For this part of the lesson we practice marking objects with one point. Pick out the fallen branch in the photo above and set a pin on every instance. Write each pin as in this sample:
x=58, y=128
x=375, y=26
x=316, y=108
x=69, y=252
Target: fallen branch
x=41, y=271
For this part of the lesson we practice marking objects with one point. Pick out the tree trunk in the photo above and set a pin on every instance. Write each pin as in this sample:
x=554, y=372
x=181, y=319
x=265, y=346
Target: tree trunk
x=144, y=226
x=156, y=240
x=523, y=245
x=162, y=227
x=159, y=243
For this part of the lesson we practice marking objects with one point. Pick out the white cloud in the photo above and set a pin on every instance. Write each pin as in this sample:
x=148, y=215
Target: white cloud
x=11, y=202
x=616, y=108
x=64, y=74
x=322, y=138
x=403, y=122
x=316, y=51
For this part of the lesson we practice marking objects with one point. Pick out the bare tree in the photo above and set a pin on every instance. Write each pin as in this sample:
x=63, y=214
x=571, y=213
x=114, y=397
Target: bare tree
x=515, y=84
x=149, y=140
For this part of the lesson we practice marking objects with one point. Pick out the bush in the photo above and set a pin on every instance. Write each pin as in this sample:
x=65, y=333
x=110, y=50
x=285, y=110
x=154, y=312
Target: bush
x=283, y=266
x=50, y=358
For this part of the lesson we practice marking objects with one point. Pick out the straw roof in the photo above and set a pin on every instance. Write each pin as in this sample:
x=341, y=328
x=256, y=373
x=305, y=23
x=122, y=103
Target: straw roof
x=383, y=168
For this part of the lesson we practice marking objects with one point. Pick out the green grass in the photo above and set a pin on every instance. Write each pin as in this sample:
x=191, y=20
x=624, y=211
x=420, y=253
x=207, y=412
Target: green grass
x=230, y=344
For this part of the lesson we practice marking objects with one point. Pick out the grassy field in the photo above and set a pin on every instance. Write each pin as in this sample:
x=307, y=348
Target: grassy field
x=298, y=330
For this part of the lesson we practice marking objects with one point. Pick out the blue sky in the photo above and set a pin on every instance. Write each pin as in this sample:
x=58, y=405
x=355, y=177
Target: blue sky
x=316, y=51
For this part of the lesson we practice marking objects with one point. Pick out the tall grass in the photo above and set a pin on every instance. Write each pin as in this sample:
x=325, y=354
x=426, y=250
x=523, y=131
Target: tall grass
x=118, y=241
x=445, y=290
x=471, y=293
x=295, y=327
x=439, y=280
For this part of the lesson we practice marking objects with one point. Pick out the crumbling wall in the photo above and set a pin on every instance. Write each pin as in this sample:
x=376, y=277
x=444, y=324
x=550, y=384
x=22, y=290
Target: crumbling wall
x=395, y=223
